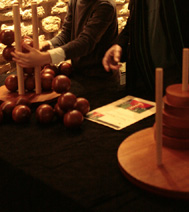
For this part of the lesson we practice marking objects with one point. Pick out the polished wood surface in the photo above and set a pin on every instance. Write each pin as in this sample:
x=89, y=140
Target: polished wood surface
x=176, y=96
x=175, y=132
x=175, y=121
x=18, y=38
x=175, y=143
x=137, y=160
x=181, y=111
x=176, y=138
x=176, y=117
x=5, y=95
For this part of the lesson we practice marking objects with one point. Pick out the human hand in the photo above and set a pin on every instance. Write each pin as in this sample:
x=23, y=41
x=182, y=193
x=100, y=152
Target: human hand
x=44, y=46
x=112, y=58
x=31, y=59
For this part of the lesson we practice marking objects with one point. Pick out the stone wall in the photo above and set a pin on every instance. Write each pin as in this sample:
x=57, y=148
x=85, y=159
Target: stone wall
x=51, y=14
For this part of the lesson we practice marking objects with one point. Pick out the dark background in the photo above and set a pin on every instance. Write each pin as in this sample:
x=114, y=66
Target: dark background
x=51, y=168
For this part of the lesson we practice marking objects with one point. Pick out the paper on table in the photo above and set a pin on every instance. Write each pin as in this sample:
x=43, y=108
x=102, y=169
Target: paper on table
x=122, y=113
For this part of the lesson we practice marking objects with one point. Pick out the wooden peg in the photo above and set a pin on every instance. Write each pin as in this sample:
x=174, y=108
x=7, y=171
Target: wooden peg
x=159, y=101
x=185, y=61
x=17, y=35
x=36, y=45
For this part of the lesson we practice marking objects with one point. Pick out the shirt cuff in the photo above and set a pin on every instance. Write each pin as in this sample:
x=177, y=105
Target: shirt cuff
x=57, y=55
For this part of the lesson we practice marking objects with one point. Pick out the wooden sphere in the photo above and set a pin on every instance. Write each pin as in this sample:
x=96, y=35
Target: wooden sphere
x=21, y=114
x=44, y=114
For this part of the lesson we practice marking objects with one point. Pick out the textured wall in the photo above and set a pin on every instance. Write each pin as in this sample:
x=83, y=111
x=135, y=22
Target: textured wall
x=51, y=14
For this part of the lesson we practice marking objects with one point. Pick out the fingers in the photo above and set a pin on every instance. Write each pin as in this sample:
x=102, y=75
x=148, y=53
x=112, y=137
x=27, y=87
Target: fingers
x=26, y=46
x=15, y=54
x=21, y=59
x=114, y=66
x=106, y=63
x=117, y=53
x=109, y=64
x=112, y=58
x=107, y=60
x=44, y=46
x=23, y=65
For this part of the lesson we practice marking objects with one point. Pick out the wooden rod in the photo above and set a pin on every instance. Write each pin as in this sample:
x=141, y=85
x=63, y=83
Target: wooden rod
x=159, y=94
x=18, y=38
x=20, y=2
x=185, y=61
x=36, y=45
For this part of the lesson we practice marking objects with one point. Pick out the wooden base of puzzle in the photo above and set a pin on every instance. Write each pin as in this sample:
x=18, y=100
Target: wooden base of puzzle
x=5, y=95
x=137, y=160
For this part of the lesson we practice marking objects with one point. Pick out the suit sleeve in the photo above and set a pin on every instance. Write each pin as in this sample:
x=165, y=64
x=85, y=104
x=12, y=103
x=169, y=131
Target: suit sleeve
x=65, y=35
x=92, y=32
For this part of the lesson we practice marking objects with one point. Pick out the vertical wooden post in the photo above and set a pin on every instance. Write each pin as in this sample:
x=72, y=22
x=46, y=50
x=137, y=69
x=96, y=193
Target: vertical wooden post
x=185, y=61
x=36, y=45
x=20, y=3
x=159, y=94
x=18, y=38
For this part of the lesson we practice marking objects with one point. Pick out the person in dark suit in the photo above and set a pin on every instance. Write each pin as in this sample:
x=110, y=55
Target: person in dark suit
x=154, y=36
x=88, y=30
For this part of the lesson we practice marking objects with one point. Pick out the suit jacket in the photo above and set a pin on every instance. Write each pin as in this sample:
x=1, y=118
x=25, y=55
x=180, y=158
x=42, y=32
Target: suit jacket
x=89, y=29
x=154, y=36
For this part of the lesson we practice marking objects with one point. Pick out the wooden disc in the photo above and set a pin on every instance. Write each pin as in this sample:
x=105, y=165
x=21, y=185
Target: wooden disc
x=137, y=160
x=175, y=121
x=175, y=110
x=175, y=132
x=176, y=143
x=176, y=96
x=176, y=138
x=5, y=95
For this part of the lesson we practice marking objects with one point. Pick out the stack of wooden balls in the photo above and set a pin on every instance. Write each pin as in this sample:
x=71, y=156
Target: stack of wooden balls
x=17, y=109
x=7, y=38
x=68, y=107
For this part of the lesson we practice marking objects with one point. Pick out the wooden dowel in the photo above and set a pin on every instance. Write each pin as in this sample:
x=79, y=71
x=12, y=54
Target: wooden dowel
x=36, y=45
x=20, y=2
x=18, y=38
x=185, y=61
x=159, y=94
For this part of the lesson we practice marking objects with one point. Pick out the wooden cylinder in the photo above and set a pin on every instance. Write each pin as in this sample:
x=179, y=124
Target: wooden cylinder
x=159, y=93
x=36, y=46
x=176, y=96
x=185, y=61
x=18, y=38
x=20, y=3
